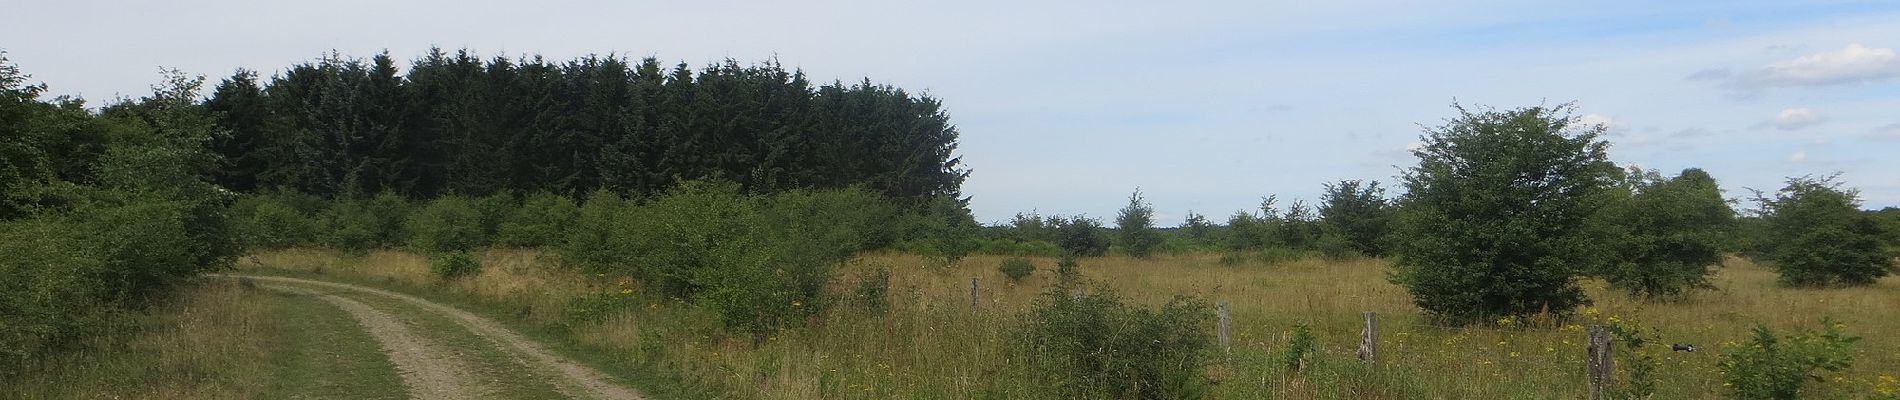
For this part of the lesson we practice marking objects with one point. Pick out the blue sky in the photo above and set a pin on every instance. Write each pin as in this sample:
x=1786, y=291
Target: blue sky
x=1066, y=107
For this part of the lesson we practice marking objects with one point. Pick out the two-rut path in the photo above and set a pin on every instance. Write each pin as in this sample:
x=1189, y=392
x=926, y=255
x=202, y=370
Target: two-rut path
x=429, y=368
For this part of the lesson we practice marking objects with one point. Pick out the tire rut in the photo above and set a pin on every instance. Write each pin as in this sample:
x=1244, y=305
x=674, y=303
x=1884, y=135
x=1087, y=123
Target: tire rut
x=428, y=371
x=580, y=381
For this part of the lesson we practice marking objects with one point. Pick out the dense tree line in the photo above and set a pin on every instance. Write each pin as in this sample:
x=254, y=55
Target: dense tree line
x=457, y=123
x=100, y=212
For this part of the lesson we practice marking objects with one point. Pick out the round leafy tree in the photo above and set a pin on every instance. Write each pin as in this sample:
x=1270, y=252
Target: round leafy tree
x=1494, y=218
x=1817, y=235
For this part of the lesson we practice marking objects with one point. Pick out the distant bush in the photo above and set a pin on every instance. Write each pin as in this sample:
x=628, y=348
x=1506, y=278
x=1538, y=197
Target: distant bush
x=540, y=221
x=454, y=265
x=447, y=224
x=1667, y=234
x=1134, y=227
x=358, y=225
x=274, y=222
x=1095, y=346
x=1771, y=367
x=1357, y=216
x=760, y=262
x=1817, y=236
x=587, y=243
x=1080, y=236
x=1017, y=268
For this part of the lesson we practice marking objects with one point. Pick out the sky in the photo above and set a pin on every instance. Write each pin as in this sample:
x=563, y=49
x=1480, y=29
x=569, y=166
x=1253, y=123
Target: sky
x=1067, y=107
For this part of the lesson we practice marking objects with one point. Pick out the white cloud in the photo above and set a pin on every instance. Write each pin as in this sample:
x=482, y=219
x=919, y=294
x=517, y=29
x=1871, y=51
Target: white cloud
x=1795, y=118
x=1798, y=156
x=1855, y=63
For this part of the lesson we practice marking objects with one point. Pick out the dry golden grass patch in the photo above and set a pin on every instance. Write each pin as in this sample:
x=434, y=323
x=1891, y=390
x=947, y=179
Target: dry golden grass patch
x=931, y=343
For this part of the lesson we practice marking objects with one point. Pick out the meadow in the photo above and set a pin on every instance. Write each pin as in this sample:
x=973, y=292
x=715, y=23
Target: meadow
x=930, y=342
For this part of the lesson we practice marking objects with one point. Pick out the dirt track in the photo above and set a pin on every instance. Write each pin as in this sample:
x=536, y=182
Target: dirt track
x=432, y=373
x=428, y=370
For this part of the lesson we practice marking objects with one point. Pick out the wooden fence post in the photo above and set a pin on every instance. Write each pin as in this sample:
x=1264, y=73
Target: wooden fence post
x=1226, y=329
x=973, y=292
x=1602, y=365
x=1369, y=341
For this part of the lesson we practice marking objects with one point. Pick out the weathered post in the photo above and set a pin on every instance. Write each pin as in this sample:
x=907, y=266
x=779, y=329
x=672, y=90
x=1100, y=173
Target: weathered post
x=1369, y=340
x=1602, y=365
x=1226, y=328
x=973, y=292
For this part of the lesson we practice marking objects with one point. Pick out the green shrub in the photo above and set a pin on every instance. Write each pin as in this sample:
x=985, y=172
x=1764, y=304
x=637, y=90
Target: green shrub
x=1093, y=345
x=454, y=265
x=1355, y=215
x=1080, y=236
x=1298, y=349
x=358, y=225
x=587, y=243
x=1817, y=236
x=1017, y=268
x=1639, y=360
x=271, y=222
x=1667, y=234
x=539, y=221
x=759, y=262
x=1496, y=217
x=447, y=224
x=1770, y=367
x=1134, y=227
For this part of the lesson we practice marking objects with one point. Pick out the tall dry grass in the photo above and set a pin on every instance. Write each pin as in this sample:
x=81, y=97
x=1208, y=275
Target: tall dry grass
x=210, y=342
x=931, y=343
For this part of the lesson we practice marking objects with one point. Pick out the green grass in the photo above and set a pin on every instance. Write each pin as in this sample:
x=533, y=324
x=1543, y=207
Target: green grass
x=322, y=352
x=218, y=339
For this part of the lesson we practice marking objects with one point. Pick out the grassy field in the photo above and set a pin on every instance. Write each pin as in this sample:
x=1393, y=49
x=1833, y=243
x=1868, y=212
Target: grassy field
x=932, y=344
x=221, y=340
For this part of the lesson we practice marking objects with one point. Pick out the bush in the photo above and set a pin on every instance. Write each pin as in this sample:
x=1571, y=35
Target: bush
x=1298, y=349
x=588, y=243
x=454, y=265
x=274, y=222
x=1017, y=268
x=447, y=224
x=1094, y=346
x=540, y=221
x=1356, y=216
x=1770, y=367
x=1669, y=232
x=759, y=262
x=1135, y=226
x=1079, y=236
x=1817, y=236
x=1495, y=217
x=359, y=225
